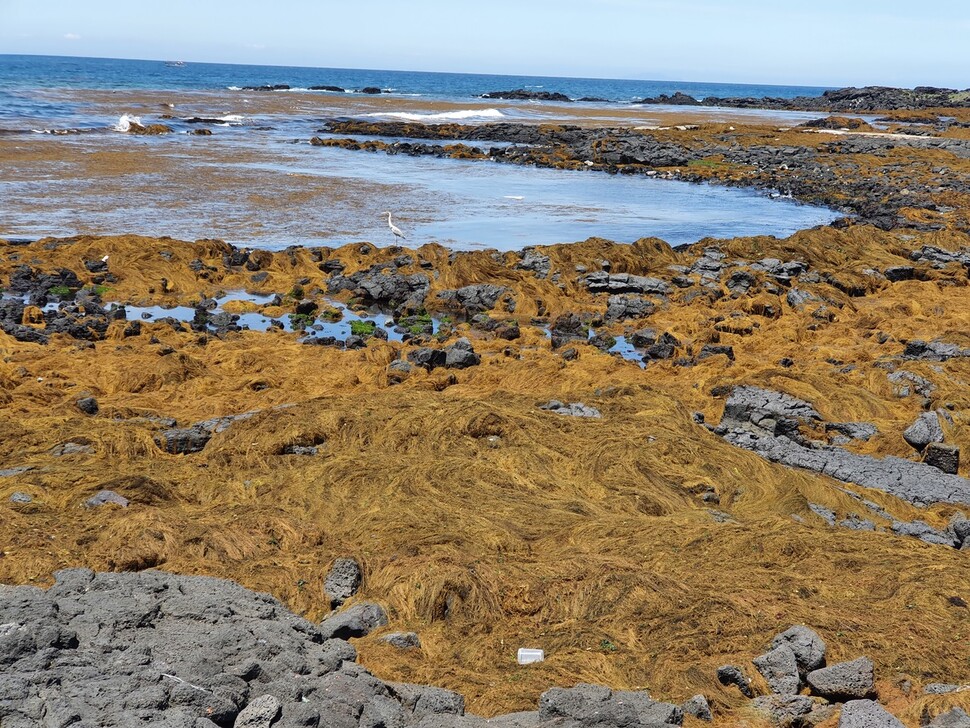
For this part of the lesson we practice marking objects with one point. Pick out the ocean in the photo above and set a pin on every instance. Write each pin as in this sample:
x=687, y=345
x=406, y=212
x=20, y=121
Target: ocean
x=69, y=168
x=33, y=72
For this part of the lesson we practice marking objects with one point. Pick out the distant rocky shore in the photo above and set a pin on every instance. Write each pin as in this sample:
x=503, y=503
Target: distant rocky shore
x=867, y=98
x=850, y=99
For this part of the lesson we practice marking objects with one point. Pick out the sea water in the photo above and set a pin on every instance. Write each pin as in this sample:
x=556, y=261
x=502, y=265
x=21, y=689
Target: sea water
x=256, y=181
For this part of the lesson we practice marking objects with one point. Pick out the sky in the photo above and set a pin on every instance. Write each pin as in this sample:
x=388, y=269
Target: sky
x=819, y=43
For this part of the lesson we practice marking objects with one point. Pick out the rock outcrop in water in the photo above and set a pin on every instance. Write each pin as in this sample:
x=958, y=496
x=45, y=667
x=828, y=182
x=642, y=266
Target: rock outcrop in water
x=522, y=94
x=867, y=98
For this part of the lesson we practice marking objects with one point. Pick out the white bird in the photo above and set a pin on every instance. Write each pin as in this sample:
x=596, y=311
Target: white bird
x=394, y=228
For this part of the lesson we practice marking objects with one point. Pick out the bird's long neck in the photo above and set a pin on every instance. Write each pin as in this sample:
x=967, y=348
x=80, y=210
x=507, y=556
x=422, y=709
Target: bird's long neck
x=388, y=218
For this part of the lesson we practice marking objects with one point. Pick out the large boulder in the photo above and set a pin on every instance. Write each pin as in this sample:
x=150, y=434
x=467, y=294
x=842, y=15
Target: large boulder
x=954, y=718
x=151, y=648
x=470, y=300
x=779, y=669
x=923, y=431
x=384, y=286
x=595, y=705
x=698, y=707
x=342, y=581
x=357, y=621
x=943, y=457
x=427, y=357
x=620, y=307
x=603, y=282
x=260, y=713
x=734, y=675
x=766, y=412
x=808, y=647
x=845, y=680
x=461, y=355
x=797, y=711
x=867, y=714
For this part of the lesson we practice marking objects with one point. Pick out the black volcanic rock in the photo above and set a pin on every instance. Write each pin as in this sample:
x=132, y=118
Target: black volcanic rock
x=521, y=94
x=678, y=99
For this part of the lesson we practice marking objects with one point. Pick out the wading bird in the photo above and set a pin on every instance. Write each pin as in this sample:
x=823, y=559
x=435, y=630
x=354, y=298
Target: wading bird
x=394, y=228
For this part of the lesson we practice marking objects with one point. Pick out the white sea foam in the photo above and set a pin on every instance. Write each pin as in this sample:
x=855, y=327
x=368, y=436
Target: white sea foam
x=463, y=115
x=232, y=118
x=234, y=88
x=125, y=122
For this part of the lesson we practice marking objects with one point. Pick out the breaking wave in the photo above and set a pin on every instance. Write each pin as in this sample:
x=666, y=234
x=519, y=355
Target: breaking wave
x=125, y=122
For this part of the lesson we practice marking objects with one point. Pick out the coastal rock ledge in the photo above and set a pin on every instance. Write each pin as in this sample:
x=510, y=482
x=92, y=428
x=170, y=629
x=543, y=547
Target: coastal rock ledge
x=111, y=650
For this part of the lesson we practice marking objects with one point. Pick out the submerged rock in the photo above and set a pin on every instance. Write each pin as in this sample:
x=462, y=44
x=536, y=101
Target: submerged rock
x=402, y=640
x=105, y=497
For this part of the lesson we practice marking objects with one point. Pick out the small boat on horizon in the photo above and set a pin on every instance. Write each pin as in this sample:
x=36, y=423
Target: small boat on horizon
x=175, y=64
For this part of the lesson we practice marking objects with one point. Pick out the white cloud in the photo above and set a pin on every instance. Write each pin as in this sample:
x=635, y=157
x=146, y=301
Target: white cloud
x=72, y=36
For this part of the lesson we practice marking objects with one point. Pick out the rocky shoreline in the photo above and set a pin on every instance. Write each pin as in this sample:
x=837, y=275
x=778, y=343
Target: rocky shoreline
x=849, y=99
x=843, y=173
x=123, y=649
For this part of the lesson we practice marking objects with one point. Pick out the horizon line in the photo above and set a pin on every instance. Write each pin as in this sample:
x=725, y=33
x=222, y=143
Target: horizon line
x=454, y=73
